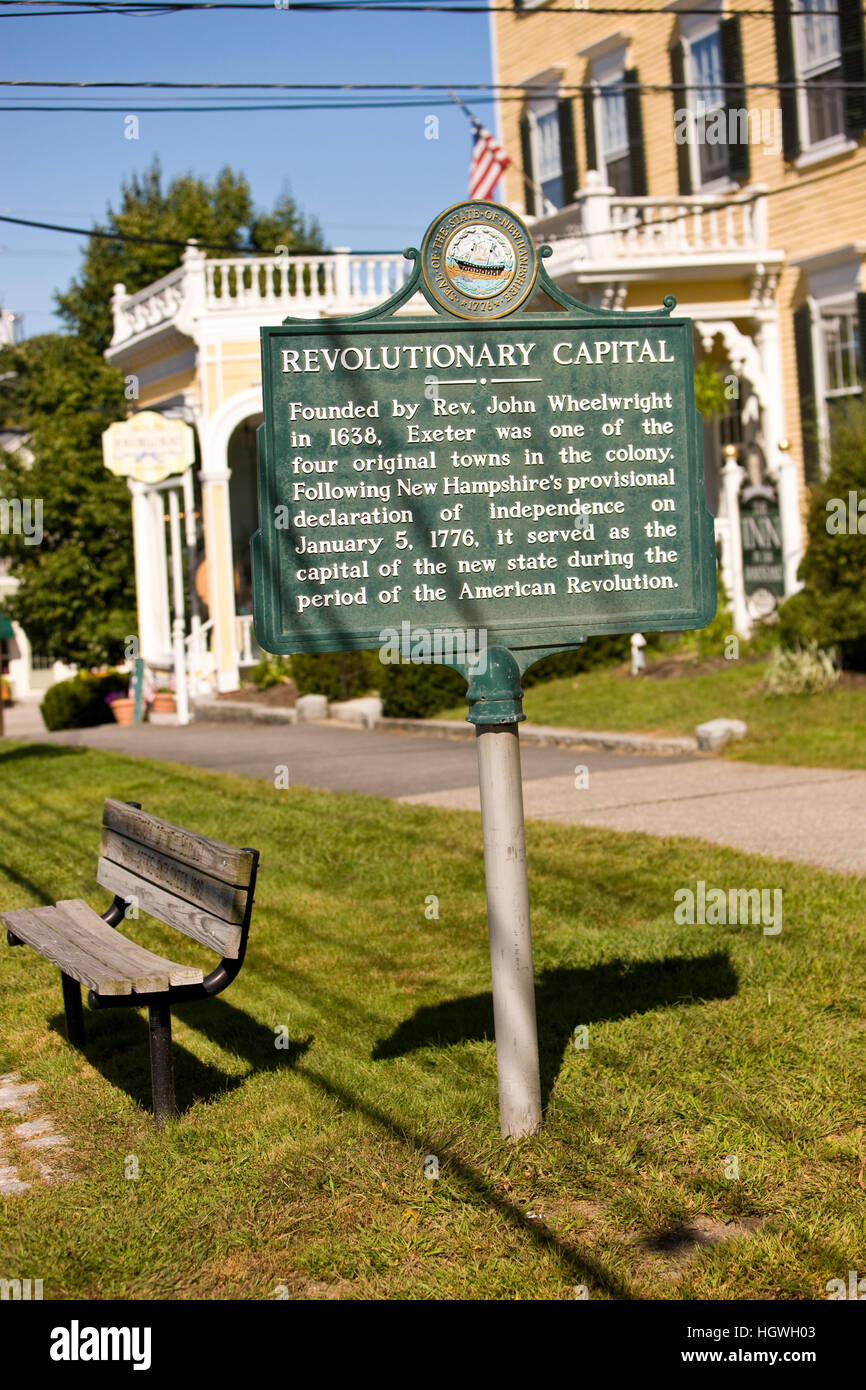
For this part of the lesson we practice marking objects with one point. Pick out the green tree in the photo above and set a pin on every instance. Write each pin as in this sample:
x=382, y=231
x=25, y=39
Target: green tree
x=831, y=607
x=76, y=597
x=221, y=213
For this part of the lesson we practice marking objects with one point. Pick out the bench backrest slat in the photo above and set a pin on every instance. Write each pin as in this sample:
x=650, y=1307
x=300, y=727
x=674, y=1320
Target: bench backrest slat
x=223, y=937
x=222, y=899
x=200, y=886
x=229, y=865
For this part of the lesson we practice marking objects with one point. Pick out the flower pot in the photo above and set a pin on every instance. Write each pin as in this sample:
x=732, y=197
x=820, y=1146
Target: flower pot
x=163, y=703
x=123, y=709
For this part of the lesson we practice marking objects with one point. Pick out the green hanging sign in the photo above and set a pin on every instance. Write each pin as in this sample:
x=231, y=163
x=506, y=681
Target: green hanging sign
x=483, y=468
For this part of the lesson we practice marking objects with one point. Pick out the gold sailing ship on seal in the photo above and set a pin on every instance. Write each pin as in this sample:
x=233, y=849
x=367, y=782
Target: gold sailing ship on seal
x=478, y=259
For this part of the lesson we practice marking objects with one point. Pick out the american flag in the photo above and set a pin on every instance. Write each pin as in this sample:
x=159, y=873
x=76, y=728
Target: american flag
x=488, y=162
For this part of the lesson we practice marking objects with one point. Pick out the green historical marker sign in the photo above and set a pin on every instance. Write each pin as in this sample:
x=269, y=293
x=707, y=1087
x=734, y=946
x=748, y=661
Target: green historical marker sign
x=534, y=476
x=530, y=478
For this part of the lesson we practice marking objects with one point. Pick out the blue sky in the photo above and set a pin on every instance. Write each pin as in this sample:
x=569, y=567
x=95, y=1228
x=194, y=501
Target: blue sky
x=371, y=177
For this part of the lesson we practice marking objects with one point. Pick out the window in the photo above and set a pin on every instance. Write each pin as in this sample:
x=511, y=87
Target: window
x=709, y=103
x=612, y=117
x=614, y=138
x=705, y=62
x=819, y=63
x=831, y=366
x=824, y=52
x=547, y=151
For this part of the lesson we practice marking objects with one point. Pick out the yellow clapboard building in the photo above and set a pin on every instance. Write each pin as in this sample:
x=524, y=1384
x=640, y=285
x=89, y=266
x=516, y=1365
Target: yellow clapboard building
x=700, y=149
x=697, y=150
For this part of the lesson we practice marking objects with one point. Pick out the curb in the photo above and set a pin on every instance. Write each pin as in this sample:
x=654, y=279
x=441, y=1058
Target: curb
x=550, y=734
x=242, y=711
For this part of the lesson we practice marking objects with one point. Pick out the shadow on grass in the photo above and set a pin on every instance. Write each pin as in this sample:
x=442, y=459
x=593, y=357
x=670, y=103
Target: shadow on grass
x=579, y=1266
x=39, y=750
x=117, y=1045
x=566, y=998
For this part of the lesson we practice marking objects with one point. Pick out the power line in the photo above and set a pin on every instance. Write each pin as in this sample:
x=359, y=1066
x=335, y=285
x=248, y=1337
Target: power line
x=679, y=216
x=524, y=89
x=62, y=8
x=147, y=240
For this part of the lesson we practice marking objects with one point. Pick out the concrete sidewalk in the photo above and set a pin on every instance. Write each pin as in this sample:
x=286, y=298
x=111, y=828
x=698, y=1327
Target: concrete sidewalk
x=814, y=815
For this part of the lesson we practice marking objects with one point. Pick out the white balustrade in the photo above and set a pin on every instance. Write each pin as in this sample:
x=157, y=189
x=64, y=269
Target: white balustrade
x=599, y=227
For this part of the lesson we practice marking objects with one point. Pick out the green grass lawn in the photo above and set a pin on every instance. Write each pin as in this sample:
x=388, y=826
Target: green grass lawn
x=304, y=1168
x=826, y=730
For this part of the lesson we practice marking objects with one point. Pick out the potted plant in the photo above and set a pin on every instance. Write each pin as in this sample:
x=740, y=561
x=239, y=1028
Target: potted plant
x=121, y=706
x=164, y=701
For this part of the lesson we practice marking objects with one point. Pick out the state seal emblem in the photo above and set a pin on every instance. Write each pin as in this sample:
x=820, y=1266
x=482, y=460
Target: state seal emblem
x=479, y=261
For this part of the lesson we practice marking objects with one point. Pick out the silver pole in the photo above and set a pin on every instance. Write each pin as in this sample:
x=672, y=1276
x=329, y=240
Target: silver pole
x=508, y=923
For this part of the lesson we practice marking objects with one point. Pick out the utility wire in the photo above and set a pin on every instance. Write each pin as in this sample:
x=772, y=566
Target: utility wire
x=679, y=216
x=494, y=89
x=133, y=7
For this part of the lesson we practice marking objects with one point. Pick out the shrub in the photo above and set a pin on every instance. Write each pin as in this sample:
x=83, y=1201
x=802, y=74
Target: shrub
x=338, y=675
x=411, y=691
x=801, y=671
x=831, y=608
x=271, y=670
x=79, y=703
x=596, y=651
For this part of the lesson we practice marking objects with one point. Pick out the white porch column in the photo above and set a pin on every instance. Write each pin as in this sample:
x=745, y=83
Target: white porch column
x=788, y=485
x=216, y=518
x=732, y=477
x=594, y=199
x=767, y=339
x=151, y=575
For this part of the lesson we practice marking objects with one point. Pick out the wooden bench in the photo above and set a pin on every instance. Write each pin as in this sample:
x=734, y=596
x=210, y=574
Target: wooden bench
x=201, y=887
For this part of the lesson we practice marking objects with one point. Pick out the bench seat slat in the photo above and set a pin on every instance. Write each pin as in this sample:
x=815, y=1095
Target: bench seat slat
x=74, y=938
x=211, y=931
x=233, y=866
x=63, y=951
x=176, y=877
x=138, y=956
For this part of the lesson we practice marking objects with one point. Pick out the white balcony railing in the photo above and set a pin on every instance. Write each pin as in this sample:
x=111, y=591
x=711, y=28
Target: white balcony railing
x=599, y=230
x=339, y=282
x=601, y=227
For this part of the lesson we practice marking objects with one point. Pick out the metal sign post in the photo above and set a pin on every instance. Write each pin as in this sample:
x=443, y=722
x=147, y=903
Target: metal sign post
x=495, y=707
x=495, y=482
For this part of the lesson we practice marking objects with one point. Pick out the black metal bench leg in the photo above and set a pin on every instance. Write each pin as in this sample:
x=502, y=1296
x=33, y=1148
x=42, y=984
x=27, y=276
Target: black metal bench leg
x=73, y=1009
x=161, y=1068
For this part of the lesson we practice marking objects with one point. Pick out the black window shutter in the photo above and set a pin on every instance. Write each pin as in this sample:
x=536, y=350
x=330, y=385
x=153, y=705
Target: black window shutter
x=589, y=128
x=526, y=156
x=861, y=324
x=853, y=43
x=634, y=121
x=806, y=390
x=733, y=77
x=567, y=151
x=678, y=77
x=787, y=70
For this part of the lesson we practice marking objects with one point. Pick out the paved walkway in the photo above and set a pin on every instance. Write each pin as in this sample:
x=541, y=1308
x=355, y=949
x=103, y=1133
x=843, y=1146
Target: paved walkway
x=815, y=815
